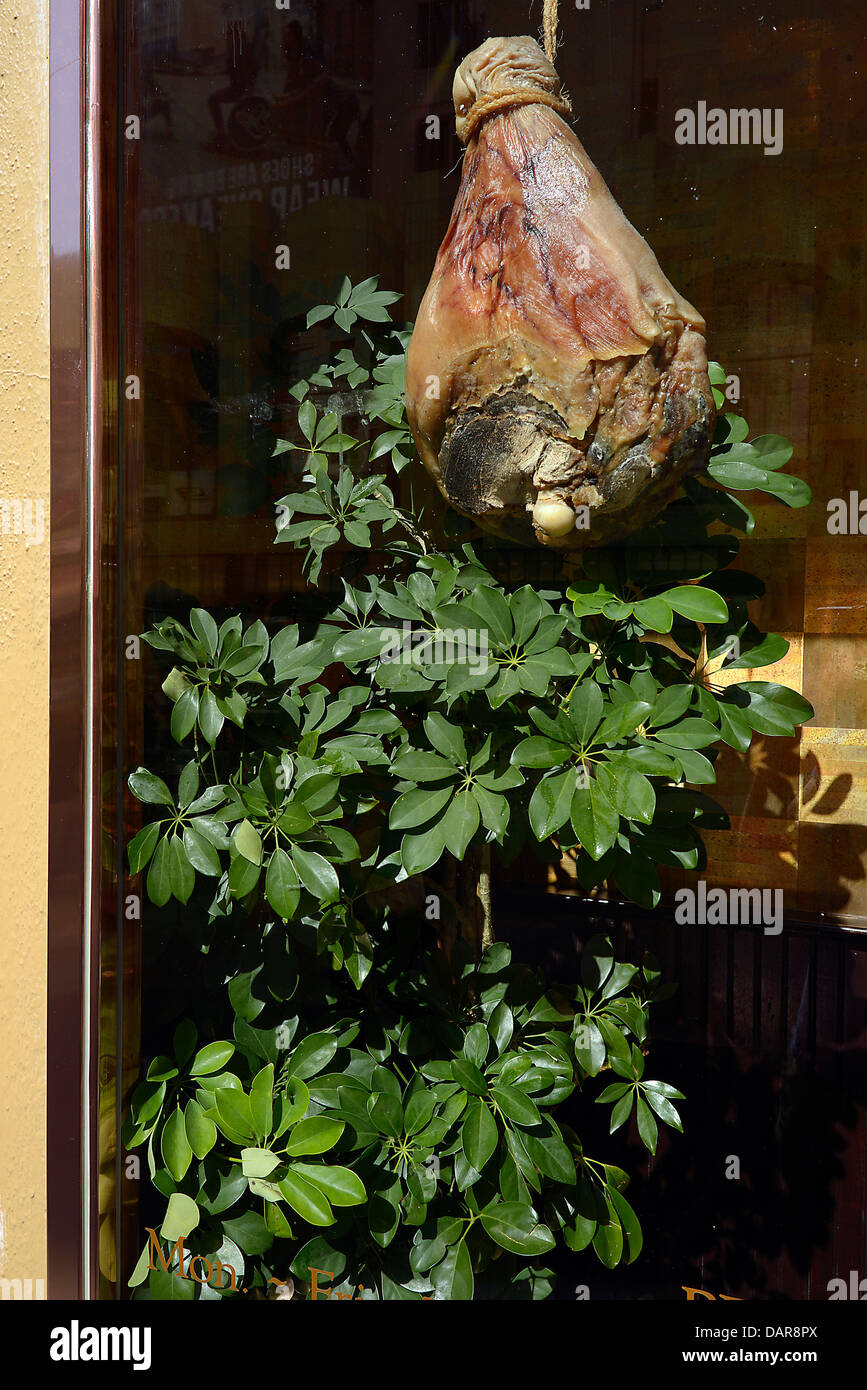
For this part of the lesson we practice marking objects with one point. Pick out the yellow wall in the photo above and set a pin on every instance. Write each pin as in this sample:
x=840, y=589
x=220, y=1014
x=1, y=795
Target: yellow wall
x=24, y=618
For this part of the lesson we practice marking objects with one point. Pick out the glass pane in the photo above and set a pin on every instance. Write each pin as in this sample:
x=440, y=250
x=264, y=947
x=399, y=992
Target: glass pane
x=270, y=150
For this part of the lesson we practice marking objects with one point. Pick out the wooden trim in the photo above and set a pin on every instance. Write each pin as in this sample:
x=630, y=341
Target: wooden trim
x=81, y=975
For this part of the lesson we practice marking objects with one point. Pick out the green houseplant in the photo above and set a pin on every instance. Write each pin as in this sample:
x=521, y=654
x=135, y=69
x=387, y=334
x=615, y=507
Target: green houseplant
x=398, y=1108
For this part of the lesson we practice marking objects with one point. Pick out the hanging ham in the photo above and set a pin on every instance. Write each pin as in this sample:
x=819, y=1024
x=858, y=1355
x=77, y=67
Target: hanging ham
x=556, y=381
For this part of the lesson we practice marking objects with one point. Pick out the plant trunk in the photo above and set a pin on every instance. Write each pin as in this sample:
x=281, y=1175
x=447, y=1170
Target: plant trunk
x=474, y=899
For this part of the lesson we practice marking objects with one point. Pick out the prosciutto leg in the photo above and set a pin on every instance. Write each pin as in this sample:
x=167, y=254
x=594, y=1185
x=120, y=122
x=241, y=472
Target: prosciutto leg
x=556, y=381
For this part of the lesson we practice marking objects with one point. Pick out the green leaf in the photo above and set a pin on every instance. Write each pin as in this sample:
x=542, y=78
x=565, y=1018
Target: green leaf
x=690, y=733
x=608, y=1241
x=210, y=718
x=311, y=1056
x=551, y=1156
x=262, y=1100
x=538, y=751
x=295, y=819
x=341, y=1186
x=622, y=1110
x=452, y=1278
x=417, y=766
x=516, y=1227
x=200, y=1131
x=460, y=823
x=419, y=1107
x=594, y=819
x=307, y=1200
x=205, y=629
x=654, y=614
x=307, y=420
x=636, y=877
x=696, y=769
x=479, y=1134
x=182, y=876
x=476, y=1044
x=631, y=793
x=275, y=1217
x=181, y=1218
x=647, y=1126
x=233, y=1112
x=774, y=451
x=422, y=851
x=467, y=1074
x=314, y=1136
x=623, y=719
x=292, y=1105
x=772, y=708
x=174, y=1145
x=735, y=729
x=386, y=1113
x=169, y=1287
x=249, y=1232
x=282, y=887
x=248, y=842
x=515, y=1105
x=492, y=607
x=629, y=1221
x=201, y=853
x=671, y=705
x=211, y=1058
x=446, y=738
x=184, y=714
x=258, y=1163
x=501, y=1026
x=149, y=788
x=771, y=649
x=585, y=711
x=550, y=803
x=319, y=312
x=141, y=847
x=698, y=604
x=416, y=807
x=188, y=783
x=243, y=876
x=318, y=876
x=663, y=1107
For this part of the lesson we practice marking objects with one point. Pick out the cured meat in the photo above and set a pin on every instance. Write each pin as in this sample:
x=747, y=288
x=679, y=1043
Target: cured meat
x=556, y=381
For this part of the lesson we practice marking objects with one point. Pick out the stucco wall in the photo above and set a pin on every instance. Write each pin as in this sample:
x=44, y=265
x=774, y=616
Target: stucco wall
x=24, y=619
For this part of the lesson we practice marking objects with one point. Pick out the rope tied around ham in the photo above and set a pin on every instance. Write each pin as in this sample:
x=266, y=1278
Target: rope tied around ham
x=486, y=106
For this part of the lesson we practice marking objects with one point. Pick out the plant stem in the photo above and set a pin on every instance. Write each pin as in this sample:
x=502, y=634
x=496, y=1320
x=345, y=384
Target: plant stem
x=483, y=893
x=473, y=899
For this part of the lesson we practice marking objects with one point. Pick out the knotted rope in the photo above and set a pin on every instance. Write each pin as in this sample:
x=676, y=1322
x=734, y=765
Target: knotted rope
x=486, y=106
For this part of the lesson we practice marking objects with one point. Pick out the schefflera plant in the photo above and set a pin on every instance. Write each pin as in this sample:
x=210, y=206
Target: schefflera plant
x=326, y=767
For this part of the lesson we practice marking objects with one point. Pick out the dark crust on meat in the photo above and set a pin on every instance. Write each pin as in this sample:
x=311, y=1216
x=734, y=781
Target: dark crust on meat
x=622, y=481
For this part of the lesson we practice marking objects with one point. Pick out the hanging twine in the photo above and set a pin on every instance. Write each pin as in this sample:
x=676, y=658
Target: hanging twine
x=549, y=28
